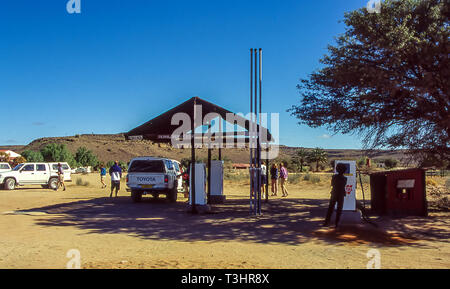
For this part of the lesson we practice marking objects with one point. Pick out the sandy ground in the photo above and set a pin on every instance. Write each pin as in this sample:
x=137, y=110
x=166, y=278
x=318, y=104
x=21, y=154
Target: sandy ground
x=38, y=227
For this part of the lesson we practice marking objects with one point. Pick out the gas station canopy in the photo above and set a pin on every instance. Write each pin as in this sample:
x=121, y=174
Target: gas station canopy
x=160, y=128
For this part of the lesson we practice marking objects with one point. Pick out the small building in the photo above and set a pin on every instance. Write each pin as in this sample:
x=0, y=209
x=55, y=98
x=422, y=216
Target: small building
x=12, y=155
x=401, y=192
x=241, y=166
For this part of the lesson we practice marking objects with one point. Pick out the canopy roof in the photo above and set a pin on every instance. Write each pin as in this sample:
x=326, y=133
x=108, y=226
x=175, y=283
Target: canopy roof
x=160, y=128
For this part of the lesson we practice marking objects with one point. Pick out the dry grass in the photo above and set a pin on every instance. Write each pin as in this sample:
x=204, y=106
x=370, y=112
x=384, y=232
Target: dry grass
x=115, y=233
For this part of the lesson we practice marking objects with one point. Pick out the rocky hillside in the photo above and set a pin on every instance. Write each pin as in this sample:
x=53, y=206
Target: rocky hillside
x=115, y=147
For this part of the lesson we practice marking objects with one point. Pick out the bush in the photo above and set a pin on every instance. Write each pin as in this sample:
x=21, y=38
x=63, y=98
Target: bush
x=58, y=153
x=312, y=178
x=123, y=165
x=390, y=163
x=85, y=157
x=33, y=156
x=295, y=178
x=18, y=160
x=4, y=157
x=80, y=182
x=361, y=163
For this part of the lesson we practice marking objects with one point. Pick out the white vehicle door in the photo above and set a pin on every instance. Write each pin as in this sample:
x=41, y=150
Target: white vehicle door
x=42, y=173
x=67, y=172
x=27, y=174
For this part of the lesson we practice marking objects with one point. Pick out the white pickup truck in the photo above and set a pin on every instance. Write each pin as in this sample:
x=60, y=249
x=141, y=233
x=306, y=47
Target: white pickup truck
x=155, y=176
x=42, y=174
x=4, y=167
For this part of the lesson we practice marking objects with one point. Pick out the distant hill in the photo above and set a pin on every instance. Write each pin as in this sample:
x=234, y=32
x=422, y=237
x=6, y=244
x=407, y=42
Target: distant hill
x=116, y=147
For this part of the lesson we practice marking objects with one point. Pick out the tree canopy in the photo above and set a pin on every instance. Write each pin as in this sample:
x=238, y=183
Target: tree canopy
x=58, y=153
x=32, y=156
x=85, y=157
x=386, y=79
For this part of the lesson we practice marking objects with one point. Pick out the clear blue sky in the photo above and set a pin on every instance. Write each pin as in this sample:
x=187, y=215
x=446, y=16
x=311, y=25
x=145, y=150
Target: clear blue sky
x=120, y=63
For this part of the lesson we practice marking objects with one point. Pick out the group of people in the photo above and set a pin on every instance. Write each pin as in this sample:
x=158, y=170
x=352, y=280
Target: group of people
x=115, y=171
x=279, y=177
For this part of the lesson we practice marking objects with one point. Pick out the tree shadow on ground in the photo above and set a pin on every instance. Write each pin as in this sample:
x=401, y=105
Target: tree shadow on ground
x=286, y=221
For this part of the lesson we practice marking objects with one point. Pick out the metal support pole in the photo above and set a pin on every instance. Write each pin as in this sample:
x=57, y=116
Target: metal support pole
x=255, y=156
x=250, y=128
x=254, y=130
x=209, y=174
x=221, y=138
x=192, y=172
x=267, y=173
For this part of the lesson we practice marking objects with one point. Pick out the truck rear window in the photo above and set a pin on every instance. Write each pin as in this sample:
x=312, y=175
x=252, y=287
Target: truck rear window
x=141, y=166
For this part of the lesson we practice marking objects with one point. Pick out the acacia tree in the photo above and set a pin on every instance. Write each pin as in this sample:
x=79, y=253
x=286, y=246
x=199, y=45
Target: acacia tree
x=386, y=79
x=301, y=157
x=317, y=156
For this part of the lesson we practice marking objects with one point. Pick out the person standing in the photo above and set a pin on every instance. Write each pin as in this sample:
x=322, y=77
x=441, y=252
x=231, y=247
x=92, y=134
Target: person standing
x=338, y=183
x=283, y=179
x=186, y=183
x=263, y=180
x=60, y=177
x=116, y=175
x=103, y=176
x=274, y=174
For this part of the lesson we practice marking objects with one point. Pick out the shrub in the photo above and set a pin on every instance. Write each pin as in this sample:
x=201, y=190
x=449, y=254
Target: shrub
x=18, y=160
x=123, y=165
x=312, y=178
x=390, y=163
x=80, y=182
x=58, y=153
x=4, y=157
x=295, y=178
x=33, y=156
x=85, y=157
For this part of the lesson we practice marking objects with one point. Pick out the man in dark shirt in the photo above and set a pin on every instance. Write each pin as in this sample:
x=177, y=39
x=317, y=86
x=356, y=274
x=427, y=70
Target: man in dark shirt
x=338, y=183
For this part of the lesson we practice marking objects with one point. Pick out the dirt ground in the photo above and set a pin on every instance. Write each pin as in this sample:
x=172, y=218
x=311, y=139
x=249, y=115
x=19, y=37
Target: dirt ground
x=38, y=227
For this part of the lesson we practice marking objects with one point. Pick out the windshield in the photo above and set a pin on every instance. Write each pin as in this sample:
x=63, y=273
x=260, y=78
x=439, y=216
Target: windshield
x=18, y=167
x=141, y=166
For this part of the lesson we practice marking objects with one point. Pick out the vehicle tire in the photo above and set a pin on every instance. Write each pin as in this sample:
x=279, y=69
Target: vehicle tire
x=10, y=184
x=136, y=196
x=172, y=194
x=53, y=184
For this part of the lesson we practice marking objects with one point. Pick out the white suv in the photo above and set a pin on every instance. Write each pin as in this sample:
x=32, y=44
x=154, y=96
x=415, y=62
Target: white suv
x=149, y=175
x=4, y=167
x=29, y=174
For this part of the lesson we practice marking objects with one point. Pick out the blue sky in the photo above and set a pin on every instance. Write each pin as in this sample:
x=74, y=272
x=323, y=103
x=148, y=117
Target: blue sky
x=120, y=63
